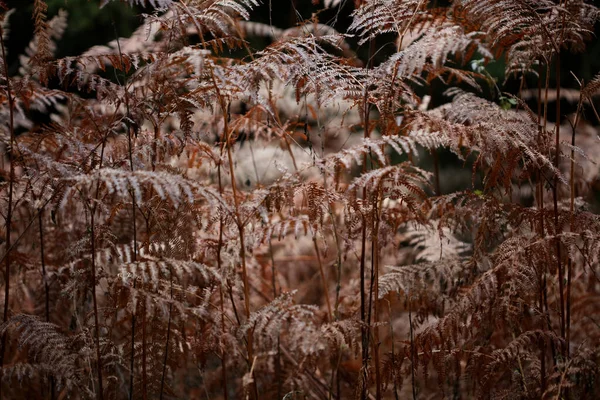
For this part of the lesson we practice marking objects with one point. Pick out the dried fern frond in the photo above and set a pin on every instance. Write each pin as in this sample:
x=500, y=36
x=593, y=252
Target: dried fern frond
x=436, y=243
x=375, y=148
x=581, y=367
x=281, y=315
x=42, y=47
x=124, y=53
x=122, y=183
x=41, y=34
x=441, y=276
x=48, y=346
x=215, y=17
x=521, y=346
x=500, y=291
x=433, y=49
x=527, y=30
x=153, y=3
x=304, y=63
x=151, y=272
x=592, y=87
x=376, y=17
x=505, y=139
x=403, y=183
x=342, y=333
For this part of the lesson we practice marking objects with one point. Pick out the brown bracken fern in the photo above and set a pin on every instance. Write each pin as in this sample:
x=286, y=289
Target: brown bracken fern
x=201, y=218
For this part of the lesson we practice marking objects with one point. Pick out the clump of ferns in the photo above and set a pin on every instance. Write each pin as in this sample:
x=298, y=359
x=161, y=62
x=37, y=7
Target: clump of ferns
x=483, y=314
x=52, y=354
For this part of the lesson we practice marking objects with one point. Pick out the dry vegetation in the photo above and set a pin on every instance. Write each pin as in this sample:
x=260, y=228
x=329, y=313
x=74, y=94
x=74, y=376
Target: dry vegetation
x=194, y=225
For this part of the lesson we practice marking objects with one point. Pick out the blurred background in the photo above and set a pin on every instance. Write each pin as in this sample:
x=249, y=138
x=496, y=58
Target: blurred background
x=90, y=25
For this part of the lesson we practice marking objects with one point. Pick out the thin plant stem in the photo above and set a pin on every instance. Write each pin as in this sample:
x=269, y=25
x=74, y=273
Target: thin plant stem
x=8, y=225
x=557, y=228
x=221, y=295
x=374, y=292
x=240, y=226
x=393, y=353
x=365, y=329
x=46, y=285
x=413, y=354
x=278, y=355
x=542, y=269
x=100, y=394
x=572, y=223
x=323, y=279
x=168, y=339
x=135, y=245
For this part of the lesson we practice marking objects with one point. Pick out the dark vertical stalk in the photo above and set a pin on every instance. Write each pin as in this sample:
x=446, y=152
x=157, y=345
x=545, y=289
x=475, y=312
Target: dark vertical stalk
x=221, y=294
x=133, y=315
x=132, y=358
x=374, y=292
x=100, y=394
x=43, y=262
x=436, y=172
x=92, y=209
x=412, y=351
x=557, y=229
x=542, y=268
x=542, y=345
x=323, y=279
x=542, y=212
x=166, y=356
x=144, y=351
x=278, y=355
x=571, y=211
x=240, y=226
x=46, y=284
x=225, y=144
x=393, y=354
x=11, y=180
x=363, y=313
x=365, y=329
x=224, y=352
x=135, y=248
x=133, y=324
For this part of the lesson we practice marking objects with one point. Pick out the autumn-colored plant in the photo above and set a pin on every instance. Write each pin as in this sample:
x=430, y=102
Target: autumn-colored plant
x=194, y=224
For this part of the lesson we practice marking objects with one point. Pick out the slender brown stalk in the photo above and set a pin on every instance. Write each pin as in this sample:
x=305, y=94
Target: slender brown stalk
x=278, y=355
x=8, y=225
x=542, y=269
x=413, y=351
x=436, y=172
x=572, y=222
x=374, y=292
x=135, y=244
x=542, y=212
x=168, y=339
x=240, y=225
x=363, y=310
x=100, y=394
x=221, y=295
x=43, y=262
x=46, y=285
x=365, y=329
x=323, y=279
x=92, y=209
x=557, y=229
x=393, y=353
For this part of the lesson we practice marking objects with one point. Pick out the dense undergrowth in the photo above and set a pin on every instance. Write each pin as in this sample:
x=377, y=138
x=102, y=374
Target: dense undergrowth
x=190, y=224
